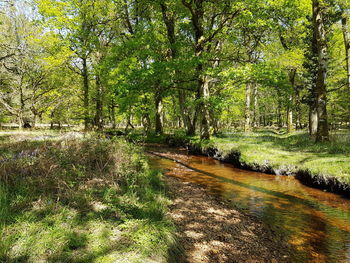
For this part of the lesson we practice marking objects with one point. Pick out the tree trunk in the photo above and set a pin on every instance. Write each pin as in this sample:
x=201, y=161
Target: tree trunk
x=297, y=109
x=20, y=120
x=313, y=119
x=321, y=91
x=197, y=18
x=169, y=21
x=256, y=117
x=158, y=113
x=205, y=123
x=85, y=94
x=214, y=122
x=248, y=90
x=99, y=104
x=279, y=115
x=204, y=94
x=113, y=114
x=35, y=117
x=146, y=123
x=191, y=130
x=290, y=115
x=185, y=117
x=264, y=120
x=129, y=123
x=344, y=22
x=292, y=74
x=189, y=121
x=21, y=111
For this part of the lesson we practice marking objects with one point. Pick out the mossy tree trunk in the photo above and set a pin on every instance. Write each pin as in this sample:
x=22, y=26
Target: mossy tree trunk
x=320, y=87
x=169, y=19
x=85, y=93
x=99, y=104
x=344, y=22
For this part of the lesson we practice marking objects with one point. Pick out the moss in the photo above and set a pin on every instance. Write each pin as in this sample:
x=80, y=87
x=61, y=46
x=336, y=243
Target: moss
x=327, y=164
x=280, y=153
x=294, y=150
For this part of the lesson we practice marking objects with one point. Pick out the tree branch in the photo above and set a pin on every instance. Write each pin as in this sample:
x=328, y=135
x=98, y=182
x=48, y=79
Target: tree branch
x=7, y=106
x=7, y=56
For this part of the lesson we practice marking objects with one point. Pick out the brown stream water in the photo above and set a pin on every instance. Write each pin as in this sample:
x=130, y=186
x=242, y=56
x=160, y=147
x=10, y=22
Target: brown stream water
x=316, y=223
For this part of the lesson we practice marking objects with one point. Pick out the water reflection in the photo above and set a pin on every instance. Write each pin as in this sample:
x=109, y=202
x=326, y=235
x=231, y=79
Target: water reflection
x=317, y=224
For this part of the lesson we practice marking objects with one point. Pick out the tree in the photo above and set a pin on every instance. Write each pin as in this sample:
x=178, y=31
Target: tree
x=206, y=27
x=79, y=23
x=320, y=85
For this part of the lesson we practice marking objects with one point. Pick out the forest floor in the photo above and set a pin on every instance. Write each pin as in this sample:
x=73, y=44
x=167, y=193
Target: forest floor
x=213, y=231
x=72, y=197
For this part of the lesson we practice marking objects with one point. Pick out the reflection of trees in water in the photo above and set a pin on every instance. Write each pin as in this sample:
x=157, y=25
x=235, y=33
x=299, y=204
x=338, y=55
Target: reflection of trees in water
x=348, y=252
x=316, y=229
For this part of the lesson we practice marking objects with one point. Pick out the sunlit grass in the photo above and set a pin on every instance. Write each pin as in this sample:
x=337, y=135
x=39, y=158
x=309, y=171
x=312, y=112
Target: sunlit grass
x=294, y=150
x=80, y=200
x=274, y=149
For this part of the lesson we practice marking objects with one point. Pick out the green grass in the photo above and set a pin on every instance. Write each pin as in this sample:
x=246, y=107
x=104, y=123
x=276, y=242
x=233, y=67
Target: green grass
x=80, y=200
x=292, y=151
x=275, y=149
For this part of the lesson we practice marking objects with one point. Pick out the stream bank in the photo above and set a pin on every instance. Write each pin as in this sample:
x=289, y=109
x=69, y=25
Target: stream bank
x=217, y=232
x=313, y=222
x=306, y=177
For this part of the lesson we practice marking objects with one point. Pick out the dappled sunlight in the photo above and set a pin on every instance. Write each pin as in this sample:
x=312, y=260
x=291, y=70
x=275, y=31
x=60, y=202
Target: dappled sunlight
x=312, y=221
x=211, y=232
x=85, y=85
x=294, y=149
x=81, y=200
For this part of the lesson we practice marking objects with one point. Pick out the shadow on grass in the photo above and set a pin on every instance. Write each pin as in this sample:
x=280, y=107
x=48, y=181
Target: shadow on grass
x=300, y=142
x=57, y=209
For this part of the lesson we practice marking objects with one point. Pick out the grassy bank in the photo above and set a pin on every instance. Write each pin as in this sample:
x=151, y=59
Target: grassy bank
x=77, y=199
x=278, y=152
x=288, y=153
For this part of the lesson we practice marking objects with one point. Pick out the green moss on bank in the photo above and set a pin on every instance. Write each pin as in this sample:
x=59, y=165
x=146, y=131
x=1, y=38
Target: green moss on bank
x=291, y=152
x=81, y=200
x=283, y=153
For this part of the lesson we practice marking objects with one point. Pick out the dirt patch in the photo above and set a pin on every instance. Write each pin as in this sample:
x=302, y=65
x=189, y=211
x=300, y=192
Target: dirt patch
x=212, y=231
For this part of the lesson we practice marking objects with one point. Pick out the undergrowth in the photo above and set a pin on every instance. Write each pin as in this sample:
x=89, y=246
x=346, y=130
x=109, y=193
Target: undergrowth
x=81, y=200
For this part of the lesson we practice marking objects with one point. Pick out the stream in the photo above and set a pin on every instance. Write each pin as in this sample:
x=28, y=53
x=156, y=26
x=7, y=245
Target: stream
x=315, y=223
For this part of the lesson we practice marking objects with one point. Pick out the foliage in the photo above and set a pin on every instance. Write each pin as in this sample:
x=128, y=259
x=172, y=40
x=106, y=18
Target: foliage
x=174, y=63
x=81, y=200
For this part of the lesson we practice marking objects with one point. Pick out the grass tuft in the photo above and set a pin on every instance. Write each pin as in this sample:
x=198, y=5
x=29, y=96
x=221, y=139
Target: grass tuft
x=80, y=200
x=329, y=159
